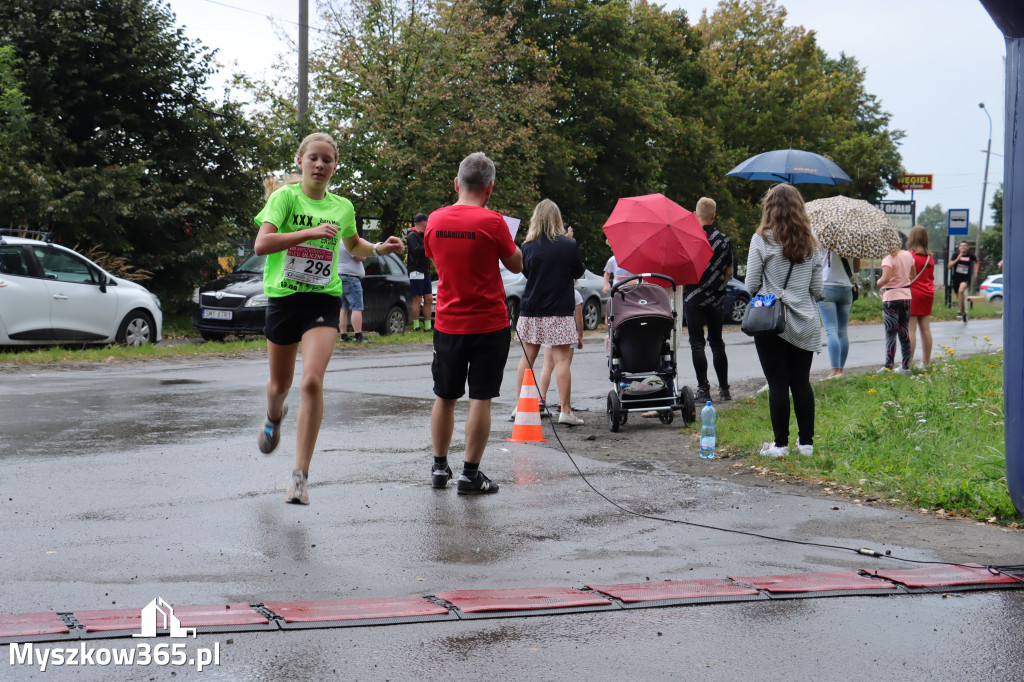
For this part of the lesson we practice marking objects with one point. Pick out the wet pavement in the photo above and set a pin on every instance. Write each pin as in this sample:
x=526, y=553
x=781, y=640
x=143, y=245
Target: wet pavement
x=119, y=484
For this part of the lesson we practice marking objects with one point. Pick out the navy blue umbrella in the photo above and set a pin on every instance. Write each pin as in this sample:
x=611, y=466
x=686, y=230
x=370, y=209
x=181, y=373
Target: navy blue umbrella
x=794, y=166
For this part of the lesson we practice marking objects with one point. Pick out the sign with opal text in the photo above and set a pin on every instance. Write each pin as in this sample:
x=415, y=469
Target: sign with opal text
x=908, y=181
x=902, y=214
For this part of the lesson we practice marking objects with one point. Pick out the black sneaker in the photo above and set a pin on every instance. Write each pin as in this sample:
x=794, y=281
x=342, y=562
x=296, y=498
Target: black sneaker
x=724, y=395
x=479, y=485
x=439, y=476
x=702, y=396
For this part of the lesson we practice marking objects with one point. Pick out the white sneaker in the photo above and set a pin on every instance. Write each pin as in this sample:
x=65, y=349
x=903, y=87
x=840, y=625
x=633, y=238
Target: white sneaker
x=900, y=370
x=774, y=451
x=296, y=492
x=569, y=418
x=883, y=370
x=762, y=389
x=805, y=450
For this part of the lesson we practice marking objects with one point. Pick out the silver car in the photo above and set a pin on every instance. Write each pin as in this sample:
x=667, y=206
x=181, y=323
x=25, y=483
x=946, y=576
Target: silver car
x=50, y=294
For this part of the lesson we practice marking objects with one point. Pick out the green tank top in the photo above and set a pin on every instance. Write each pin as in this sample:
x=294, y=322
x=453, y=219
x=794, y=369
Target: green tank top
x=311, y=266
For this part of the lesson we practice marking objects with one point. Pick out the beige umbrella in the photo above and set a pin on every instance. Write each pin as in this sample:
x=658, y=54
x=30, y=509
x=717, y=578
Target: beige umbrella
x=852, y=228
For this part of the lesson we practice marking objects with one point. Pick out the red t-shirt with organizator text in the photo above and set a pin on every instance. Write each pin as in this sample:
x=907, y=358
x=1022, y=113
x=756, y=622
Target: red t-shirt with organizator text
x=466, y=243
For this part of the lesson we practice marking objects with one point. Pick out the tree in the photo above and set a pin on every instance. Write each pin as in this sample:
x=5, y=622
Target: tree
x=626, y=106
x=771, y=87
x=992, y=238
x=125, y=153
x=409, y=88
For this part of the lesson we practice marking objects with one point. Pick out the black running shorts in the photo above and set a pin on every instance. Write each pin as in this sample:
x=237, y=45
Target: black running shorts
x=289, y=317
x=478, y=357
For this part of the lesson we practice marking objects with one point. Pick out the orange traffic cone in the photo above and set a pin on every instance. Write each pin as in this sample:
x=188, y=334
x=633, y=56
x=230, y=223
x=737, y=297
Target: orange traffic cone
x=527, y=428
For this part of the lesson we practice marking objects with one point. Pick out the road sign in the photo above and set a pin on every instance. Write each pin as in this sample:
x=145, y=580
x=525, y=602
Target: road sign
x=957, y=221
x=908, y=181
x=901, y=213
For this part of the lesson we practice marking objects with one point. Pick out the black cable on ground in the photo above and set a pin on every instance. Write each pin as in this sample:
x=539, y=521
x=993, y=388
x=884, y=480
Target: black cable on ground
x=995, y=570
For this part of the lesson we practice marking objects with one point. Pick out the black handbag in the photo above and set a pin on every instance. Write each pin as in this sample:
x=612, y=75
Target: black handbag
x=849, y=273
x=768, y=320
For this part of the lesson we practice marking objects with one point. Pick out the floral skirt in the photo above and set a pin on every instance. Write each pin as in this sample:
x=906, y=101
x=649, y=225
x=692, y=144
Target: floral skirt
x=547, y=331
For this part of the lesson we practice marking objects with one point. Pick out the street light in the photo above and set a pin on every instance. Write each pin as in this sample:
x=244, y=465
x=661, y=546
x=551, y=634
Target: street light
x=984, y=186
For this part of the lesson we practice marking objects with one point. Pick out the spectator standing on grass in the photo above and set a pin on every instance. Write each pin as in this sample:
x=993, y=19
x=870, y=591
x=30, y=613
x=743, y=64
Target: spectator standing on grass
x=351, y=270
x=702, y=305
x=836, y=272
x=551, y=263
x=922, y=294
x=897, y=272
x=419, y=273
x=782, y=247
x=466, y=241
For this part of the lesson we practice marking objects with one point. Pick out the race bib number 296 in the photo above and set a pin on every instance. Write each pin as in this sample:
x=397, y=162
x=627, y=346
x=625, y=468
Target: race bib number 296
x=308, y=264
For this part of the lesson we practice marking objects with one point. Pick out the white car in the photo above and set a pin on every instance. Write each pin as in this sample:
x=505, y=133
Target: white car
x=50, y=294
x=992, y=288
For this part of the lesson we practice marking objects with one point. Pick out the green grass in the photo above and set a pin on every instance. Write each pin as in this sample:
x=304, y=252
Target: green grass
x=934, y=440
x=868, y=309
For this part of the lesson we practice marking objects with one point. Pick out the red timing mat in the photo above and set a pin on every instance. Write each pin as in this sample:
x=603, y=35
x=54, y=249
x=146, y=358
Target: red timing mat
x=674, y=589
x=945, y=576
x=828, y=581
x=109, y=620
x=476, y=601
x=412, y=606
x=26, y=624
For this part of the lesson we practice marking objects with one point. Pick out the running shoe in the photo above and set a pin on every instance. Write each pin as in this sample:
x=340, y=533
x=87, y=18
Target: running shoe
x=965, y=317
x=805, y=450
x=774, y=451
x=724, y=395
x=903, y=370
x=702, y=396
x=478, y=485
x=296, y=492
x=439, y=476
x=270, y=434
x=569, y=418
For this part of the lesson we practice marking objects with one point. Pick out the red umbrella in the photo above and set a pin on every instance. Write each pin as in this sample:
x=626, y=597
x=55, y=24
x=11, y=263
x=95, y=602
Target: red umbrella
x=652, y=233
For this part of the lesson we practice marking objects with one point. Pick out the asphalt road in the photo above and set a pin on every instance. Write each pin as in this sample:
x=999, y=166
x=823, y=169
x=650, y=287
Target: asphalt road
x=126, y=482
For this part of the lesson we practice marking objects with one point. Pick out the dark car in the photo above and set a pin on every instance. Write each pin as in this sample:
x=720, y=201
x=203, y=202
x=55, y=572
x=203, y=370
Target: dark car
x=235, y=304
x=736, y=300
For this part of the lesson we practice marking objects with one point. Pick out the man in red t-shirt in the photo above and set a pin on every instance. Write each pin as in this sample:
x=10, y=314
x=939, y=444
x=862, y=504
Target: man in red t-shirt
x=471, y=336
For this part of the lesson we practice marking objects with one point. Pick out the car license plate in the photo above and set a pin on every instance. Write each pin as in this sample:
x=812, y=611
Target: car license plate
x=216, y=314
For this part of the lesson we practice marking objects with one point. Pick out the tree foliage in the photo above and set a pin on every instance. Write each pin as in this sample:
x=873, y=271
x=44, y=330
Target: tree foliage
x=124, y=152
x=772, y=87
x=409, y=88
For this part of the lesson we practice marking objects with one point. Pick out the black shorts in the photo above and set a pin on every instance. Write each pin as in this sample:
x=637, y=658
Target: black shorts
x=421, y=287
x=478, y=357
x=289, y=317
x=955, y=282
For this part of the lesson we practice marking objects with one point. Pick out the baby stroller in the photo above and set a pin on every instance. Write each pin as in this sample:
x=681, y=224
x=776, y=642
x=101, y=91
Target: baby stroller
x=642, y=352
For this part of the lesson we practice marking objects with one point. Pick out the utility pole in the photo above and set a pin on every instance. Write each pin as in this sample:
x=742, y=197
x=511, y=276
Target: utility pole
x=984, y=186
x=304, y=59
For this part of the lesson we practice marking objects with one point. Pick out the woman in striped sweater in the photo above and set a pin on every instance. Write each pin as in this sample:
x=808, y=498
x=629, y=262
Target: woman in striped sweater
x=783, y=241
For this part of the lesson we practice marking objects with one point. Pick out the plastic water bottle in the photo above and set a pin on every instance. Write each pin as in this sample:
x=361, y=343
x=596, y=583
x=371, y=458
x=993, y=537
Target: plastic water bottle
x=707, y=432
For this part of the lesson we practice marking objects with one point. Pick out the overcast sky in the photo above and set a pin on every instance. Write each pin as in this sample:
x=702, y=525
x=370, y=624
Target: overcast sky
x=930, y=62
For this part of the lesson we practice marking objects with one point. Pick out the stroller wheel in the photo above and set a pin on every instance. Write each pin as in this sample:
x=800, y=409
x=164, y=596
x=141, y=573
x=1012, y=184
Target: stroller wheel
x=666, y=416
x=687, y=409
x=615, y=413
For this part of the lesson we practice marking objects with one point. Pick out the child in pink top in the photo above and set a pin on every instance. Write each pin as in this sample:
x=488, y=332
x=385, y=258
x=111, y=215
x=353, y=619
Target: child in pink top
x=897, y=272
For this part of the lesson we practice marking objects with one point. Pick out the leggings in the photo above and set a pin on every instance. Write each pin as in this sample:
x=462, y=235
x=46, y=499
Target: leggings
x=896, y=316
x=787, y=368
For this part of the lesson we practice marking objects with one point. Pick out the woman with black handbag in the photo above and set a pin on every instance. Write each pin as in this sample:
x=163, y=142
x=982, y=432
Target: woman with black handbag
x=784, y=260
